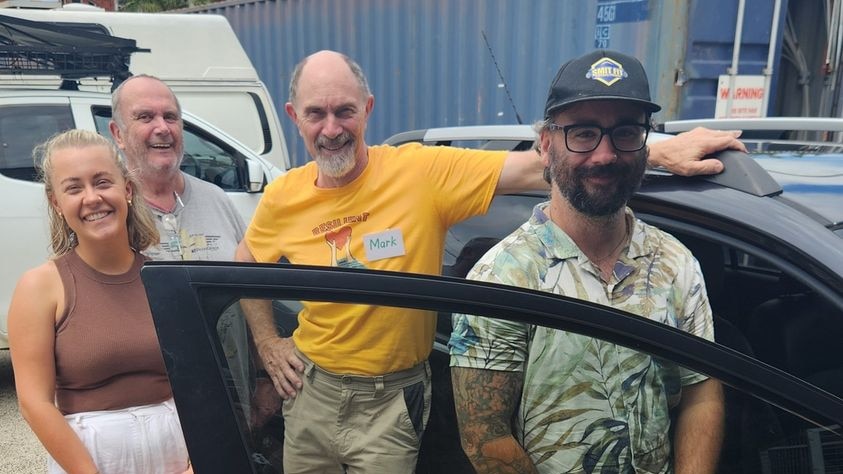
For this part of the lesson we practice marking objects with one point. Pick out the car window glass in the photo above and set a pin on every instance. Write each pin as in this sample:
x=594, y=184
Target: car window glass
x=205, y=157
x=22, y=127
x=758, y=437
x=764, y=311
x=468, y=240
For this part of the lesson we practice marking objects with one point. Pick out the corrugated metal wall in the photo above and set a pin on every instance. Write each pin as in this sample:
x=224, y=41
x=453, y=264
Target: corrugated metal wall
x=710, y=38
x=429, y=65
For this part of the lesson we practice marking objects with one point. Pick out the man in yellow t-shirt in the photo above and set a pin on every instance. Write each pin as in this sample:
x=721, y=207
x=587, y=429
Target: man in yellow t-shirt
x=392, y=217
x=355, y=378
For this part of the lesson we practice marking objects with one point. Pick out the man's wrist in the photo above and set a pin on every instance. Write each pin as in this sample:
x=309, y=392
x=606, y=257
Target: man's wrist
x=264, y=341
x=654, y=157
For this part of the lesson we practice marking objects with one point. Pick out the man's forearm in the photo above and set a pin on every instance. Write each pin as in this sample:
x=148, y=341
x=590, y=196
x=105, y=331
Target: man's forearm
x=260, y=320
x=522, y=171
x=258, y=313
x=699, y=428
x=485, y=402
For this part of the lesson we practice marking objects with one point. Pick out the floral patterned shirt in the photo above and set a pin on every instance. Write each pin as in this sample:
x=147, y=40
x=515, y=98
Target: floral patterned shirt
x=588, y=405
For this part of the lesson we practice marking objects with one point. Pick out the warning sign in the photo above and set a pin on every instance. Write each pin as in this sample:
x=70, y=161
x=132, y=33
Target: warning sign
x=746, y=94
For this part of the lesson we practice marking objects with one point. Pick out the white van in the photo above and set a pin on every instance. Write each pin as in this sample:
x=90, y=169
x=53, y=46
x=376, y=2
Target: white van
x=29, y=117
x=219, y=91
x=198, y=56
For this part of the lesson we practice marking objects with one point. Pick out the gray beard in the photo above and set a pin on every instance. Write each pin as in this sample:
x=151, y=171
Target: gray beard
x=339, y=164
x=336, y=166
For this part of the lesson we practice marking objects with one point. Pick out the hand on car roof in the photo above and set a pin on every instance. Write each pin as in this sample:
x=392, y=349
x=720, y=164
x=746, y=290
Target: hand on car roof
x=690, y=153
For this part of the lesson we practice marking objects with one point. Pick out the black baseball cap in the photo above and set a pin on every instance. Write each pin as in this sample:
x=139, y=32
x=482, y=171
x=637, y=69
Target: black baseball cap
x=600, y=75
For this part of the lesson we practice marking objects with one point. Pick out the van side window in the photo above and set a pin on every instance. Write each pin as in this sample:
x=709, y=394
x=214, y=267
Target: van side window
x=22, y=127
x=212, y=160
x=205, y=156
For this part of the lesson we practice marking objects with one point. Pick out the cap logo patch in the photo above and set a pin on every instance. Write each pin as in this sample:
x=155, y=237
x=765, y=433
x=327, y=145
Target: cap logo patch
x=606, y=70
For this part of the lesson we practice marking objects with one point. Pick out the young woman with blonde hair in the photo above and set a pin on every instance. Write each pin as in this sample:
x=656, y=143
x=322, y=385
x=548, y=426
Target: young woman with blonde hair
x=89, y=373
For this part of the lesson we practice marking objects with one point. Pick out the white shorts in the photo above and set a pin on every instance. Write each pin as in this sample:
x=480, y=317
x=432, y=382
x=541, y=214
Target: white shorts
x=135, y=440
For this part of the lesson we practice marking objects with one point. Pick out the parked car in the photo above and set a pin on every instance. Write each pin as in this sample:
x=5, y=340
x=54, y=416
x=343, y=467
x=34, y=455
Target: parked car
x=767, y=233
x=28, y=117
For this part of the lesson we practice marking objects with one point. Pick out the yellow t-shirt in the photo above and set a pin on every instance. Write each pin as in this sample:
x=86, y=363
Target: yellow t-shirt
x=410, y=193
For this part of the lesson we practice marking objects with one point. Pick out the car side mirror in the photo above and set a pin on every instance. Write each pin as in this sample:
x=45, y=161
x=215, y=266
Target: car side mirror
x=255, y=177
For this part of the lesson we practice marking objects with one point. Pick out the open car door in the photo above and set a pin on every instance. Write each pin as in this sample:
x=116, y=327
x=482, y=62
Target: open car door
x=775, y=421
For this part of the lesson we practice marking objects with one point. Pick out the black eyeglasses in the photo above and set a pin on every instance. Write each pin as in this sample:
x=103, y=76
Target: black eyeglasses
x=586, y=138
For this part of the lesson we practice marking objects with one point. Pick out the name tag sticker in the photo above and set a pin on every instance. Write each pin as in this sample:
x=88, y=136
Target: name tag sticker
x=386, y=244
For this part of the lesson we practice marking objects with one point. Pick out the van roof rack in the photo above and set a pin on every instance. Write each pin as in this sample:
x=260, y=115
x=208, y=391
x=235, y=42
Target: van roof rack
x=71, y=52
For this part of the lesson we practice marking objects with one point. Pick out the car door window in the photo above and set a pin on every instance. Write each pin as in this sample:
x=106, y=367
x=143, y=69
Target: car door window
x=770, y=310
x=205, y=156
x=237, y=397
x=22, y=127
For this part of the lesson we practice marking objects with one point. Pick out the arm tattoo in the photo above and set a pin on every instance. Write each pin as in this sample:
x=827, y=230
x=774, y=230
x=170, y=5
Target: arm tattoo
x=486, y=401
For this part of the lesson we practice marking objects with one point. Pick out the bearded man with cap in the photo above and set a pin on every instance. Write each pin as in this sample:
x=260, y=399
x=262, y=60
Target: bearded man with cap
x=554, y=409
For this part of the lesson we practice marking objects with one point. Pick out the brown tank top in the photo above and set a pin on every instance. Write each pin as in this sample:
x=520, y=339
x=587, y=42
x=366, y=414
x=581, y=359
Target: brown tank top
x=107, y=353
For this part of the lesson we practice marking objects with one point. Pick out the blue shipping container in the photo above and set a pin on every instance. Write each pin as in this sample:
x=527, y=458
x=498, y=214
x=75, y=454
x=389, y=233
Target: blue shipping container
x=449, y=63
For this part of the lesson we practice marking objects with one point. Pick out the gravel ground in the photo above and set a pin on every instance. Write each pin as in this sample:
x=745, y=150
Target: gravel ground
x=20, y=451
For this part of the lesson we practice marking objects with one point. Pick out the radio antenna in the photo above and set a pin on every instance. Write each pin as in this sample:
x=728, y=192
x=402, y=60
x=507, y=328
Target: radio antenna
x=503, y=81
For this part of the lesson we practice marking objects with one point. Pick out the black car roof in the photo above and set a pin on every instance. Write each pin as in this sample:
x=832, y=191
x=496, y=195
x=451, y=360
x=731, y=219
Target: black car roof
x=785, y=215
x=810, y=178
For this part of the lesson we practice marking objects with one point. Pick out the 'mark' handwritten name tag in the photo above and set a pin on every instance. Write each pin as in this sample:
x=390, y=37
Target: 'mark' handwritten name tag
x=386, y=244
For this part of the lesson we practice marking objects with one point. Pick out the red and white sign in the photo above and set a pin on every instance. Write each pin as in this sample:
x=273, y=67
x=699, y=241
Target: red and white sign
x=747, y=97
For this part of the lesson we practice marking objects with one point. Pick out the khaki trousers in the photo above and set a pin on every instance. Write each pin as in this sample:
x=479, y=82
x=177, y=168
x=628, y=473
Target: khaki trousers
x=356, y=424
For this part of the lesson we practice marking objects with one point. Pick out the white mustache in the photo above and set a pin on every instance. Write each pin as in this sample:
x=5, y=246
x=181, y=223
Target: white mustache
x=324, y=141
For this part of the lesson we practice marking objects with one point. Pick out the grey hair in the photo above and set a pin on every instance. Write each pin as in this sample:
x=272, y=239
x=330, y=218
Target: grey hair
x=355, y=68
x=117, y=95
x=541, y=125
x=538, y=127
